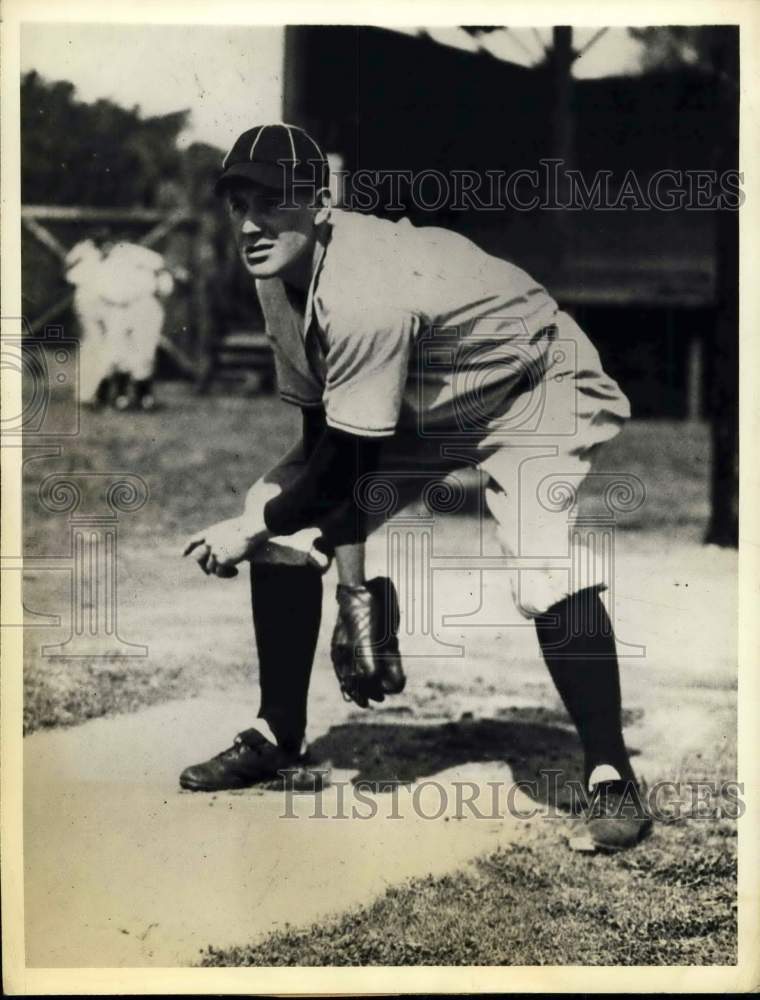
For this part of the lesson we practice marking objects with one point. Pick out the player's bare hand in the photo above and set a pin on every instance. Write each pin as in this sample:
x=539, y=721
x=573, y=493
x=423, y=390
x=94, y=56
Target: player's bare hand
x=219, y=548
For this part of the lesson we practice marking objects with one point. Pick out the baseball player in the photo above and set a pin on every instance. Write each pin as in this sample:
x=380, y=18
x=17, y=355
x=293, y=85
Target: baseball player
x=411, y=353
x=96, y=356
x=132, y=281
x=119, y=287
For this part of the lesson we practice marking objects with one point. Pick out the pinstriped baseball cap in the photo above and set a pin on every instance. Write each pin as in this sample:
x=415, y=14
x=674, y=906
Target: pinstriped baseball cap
x=276, y=156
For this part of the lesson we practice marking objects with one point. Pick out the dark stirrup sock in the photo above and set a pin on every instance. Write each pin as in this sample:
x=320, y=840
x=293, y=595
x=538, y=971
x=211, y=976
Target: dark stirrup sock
x=143, y=388
x=578, y=645
x=122, y=384
x=287, y=611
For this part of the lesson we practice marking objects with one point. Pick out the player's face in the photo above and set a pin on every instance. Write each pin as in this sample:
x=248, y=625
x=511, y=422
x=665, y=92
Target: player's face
x=274, y=239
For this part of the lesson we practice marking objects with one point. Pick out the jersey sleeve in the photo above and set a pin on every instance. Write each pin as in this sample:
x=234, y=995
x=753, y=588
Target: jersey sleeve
x=140, y=257
x=164, y=283
x=325, y=483
x=80, y=262
x=367, y=371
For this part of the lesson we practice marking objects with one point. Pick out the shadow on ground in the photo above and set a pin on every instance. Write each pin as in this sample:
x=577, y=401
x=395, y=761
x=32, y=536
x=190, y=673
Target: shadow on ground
x=385, y=754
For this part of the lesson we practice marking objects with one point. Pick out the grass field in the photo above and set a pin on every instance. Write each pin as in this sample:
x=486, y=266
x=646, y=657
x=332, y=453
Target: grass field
x=672, y=901
x=671, y=904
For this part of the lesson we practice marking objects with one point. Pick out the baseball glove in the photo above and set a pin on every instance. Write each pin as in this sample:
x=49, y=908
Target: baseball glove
x=365, y=650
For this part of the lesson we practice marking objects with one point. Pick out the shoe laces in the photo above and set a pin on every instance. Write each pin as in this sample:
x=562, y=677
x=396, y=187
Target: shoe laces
x=243, y=743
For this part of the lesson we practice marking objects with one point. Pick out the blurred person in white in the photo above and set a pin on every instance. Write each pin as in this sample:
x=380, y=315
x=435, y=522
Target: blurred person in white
x=96, y=356
x=134, y=280
x=120, y=287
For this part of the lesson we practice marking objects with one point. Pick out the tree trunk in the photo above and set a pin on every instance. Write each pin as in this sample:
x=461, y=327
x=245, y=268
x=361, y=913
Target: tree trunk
x=723, y=369
x=723, y=528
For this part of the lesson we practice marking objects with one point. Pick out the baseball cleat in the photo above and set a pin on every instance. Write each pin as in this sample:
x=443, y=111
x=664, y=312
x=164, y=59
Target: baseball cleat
x=148, y=403
x=616, y=819
x=121, y=403
x=251, y=759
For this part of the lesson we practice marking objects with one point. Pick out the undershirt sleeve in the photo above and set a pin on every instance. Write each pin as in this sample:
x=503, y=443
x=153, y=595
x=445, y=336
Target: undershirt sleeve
x=337, y=461
x=313, y=426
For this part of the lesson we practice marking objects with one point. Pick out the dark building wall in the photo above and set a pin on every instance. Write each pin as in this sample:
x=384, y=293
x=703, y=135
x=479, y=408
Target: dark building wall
x=642, y=283
x=657, y=355
x=384, y=98
x=388, y=101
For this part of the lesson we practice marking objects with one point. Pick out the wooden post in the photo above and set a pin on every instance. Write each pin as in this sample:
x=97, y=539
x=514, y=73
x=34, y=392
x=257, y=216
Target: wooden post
x=83, y=213
x=695, y=365
x=294, y=69
x=724, y=403
x=44, y=236
x=560, y=63
x=724, y=348
x=204, y=265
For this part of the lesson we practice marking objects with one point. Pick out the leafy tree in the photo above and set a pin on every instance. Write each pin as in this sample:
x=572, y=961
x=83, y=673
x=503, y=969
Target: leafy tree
x=100, y=154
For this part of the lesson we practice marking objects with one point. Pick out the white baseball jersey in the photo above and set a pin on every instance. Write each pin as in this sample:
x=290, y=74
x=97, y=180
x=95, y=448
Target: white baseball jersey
x=420, y=332
x=82, y=263
x=119, y=310
x=403, y=322
x=128, y=273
